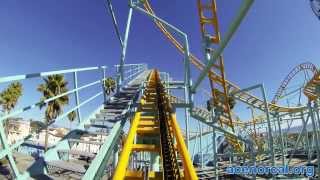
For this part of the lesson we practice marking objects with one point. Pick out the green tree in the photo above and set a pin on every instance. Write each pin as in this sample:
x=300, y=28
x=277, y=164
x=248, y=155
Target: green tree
x=72, y=116
x=53, y=85
x=35, y=126
x=109, y=85
x=9, y=98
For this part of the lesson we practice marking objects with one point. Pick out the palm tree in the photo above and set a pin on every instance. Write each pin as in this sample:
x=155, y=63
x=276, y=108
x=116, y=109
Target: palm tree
x=109, y=85
x=35, y=126
x=72, y=116
x=9, y=98
x=53, y=85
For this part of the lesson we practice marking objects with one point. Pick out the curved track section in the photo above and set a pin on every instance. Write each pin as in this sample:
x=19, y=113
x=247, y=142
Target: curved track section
x=307, y=66
x=312, y=89
x=244, y=96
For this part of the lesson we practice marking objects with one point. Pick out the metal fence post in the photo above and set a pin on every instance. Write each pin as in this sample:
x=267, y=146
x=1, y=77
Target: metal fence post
x=315, y=130
x=281, y=139
x=103, y=84
x=269, y=125
x=76, y=93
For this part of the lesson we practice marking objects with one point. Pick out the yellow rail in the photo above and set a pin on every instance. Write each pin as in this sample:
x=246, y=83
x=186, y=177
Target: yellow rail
x=138, y=127
x=189, y=170
x=123, y=162
x=245, y=96
x=120, y=171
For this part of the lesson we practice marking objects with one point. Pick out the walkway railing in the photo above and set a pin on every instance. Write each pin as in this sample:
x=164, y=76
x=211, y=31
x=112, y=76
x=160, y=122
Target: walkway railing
x=130, y=71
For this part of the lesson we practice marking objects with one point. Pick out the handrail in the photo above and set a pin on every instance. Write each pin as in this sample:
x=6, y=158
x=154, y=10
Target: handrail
x=141, y=64
x=6, y=151
x=47, y=100
x=48, y=73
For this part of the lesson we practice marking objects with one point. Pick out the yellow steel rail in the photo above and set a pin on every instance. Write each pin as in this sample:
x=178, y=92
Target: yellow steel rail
x=123, y=162
x=127, y=148
x=208, y=18
x=143, y=125
x=245, y=96
x=189, y=170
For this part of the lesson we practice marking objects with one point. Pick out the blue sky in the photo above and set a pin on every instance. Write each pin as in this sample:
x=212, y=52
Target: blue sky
x=49, y=35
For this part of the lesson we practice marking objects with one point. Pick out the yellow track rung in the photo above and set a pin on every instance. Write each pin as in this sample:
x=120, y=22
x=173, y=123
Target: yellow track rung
x=147, y=118
x=148, y=130
x=132, y=175
x=148, y=123
x=145, y=126
x=146, y=147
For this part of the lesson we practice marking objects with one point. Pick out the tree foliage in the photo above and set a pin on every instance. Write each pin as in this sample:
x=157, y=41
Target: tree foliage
x=53, y=85
x=10, y=96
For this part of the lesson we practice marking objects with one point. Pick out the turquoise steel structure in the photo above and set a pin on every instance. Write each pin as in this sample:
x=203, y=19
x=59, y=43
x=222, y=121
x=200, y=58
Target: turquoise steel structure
x=132, y=70
x=273, y=119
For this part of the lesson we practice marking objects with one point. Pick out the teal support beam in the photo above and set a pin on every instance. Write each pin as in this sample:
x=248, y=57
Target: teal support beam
x=103, y=85
x=194, y=146
x=270, y=138
x=7, y=152
x=316, y=134
x=266, y=110
x=120, y=77
x=308, y=140
x=214, y=149
x=115, y=155
x=7, y=149
x=114, y=21
x=200, y=145
x=280, y=135
x=52, y=154
x=187, y=72
x=316, y=111
x=217, y=53
x=305, y=122
x=76, y=93
x=98, y=165
x=44, y=74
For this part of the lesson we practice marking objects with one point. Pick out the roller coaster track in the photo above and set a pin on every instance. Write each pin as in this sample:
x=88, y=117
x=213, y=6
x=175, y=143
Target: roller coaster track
x=243, y=96
x=312, y=89
x=153, y=120
x=301, y=67
x=219, y=91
